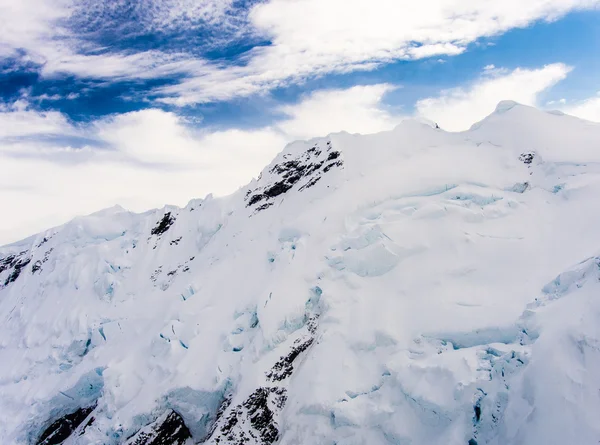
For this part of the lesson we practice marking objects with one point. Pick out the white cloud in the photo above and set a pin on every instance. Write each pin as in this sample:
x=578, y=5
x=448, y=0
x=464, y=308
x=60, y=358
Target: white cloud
x=26, y=23
x=150, y=136
x=152, y=157
x=155, y=15
x=562, y=101
x=18, y=120
x=357, y=109
x=588, y=109
x=309, y=37
x=41, y=29
x=316, y=37
x=458, y=108
x=354, y=30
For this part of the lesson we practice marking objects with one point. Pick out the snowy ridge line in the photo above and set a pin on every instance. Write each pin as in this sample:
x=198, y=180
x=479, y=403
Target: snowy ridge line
x=374, y=289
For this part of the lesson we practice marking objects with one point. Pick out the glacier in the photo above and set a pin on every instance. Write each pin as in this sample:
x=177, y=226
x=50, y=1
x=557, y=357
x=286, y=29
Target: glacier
x=408, y=287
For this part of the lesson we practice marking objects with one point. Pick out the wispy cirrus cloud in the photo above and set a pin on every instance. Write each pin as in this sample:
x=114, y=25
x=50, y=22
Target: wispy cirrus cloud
x=151, y=16
x=318, y=37
x=300, y=39
x=78, y=37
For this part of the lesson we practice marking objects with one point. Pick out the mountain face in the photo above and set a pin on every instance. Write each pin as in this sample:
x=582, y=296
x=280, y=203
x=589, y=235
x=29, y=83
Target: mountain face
x=409, y=287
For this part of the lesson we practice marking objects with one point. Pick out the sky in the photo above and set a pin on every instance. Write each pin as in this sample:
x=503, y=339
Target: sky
x=154, y=102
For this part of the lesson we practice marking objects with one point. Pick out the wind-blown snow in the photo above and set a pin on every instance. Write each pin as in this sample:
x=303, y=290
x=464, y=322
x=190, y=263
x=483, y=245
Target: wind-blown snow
x=407, y=287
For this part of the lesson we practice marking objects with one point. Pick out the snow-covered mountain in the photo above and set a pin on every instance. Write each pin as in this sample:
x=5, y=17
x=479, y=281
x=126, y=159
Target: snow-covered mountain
x=409, y=287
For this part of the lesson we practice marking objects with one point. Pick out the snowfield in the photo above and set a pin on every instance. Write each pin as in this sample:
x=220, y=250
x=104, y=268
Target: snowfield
x=412, y=287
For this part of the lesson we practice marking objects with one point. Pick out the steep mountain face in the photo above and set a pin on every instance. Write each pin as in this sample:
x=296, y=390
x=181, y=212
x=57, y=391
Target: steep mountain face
x=410, y=287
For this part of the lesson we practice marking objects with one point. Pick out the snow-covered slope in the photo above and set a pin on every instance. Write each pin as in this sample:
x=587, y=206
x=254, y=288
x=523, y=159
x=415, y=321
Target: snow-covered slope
x=409, y=287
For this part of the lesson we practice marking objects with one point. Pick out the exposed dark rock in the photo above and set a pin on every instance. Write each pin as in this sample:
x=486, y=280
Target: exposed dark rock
x=333, y=155
x=175, y=242
x=163, y=225
x=310, y=183
x=37, y=266
x=45, y=240
x=254, y=199
x=224, y=405
x=89, y=422
x=285, y=365
x=527, y=158
x=228, y=425
x=333, y=164
x=259, y=411
x=255, y=420
x=170, y=276
x=264, y=206
x=305, y=170
x=18, y=267
x=169, y=429
x=314, y=151
x=261, y=416
x=8, y=262
x=281, y=187
x=311, y=323
x=155, y=274
x=62, y=428
x=14, y=263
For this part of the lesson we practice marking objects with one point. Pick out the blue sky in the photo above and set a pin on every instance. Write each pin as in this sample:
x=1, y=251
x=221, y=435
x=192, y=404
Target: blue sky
x=173, y=99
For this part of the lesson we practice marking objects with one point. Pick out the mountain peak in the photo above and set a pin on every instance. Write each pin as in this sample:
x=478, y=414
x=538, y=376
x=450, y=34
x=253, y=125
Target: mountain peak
x=110, y=210
x=505, y=105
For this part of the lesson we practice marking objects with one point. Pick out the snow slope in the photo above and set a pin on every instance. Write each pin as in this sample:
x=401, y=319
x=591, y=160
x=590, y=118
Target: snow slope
x=409, y=287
